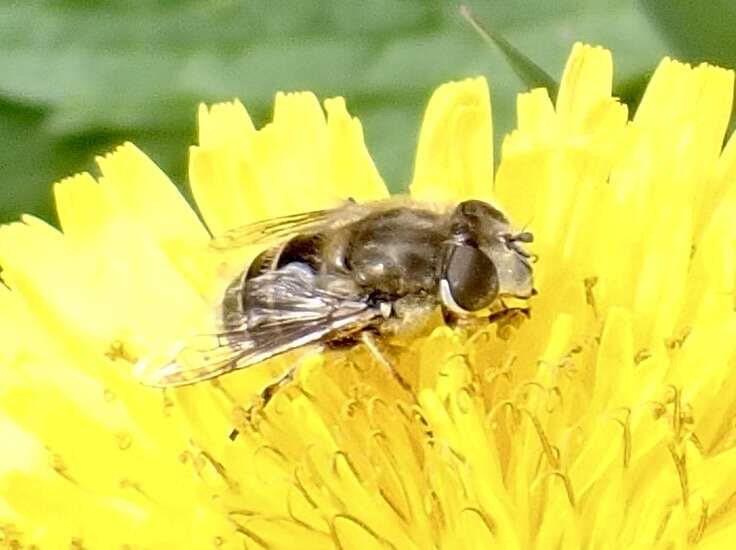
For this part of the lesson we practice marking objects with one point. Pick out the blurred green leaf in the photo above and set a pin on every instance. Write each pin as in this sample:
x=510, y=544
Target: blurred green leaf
x=697, y=31
x=93, y=74
x=24, y=180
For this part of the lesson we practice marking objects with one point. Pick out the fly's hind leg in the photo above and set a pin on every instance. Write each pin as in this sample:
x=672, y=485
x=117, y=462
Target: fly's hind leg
x=265, y=397
x=369, y=340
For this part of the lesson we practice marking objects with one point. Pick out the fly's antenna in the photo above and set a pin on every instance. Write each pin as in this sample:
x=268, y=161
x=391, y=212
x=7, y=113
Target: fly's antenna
x=525, y=227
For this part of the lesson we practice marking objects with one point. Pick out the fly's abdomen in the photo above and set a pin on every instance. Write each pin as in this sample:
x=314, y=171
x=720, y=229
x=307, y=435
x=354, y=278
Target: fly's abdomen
x=305, y=249
x=236, y=307
x=232, y=308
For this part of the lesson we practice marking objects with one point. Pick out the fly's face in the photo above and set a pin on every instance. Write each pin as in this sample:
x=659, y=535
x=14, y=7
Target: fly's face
x=483, y=259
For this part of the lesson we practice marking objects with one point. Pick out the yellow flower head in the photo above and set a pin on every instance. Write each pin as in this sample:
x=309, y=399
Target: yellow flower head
x=604, y=420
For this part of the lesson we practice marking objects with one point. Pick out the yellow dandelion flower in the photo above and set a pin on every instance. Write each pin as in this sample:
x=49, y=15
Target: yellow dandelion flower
x=606, y=420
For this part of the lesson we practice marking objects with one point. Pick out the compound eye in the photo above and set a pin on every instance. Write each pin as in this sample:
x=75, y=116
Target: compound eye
x=472, y=279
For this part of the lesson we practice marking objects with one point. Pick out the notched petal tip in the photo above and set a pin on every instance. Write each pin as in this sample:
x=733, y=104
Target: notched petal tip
x=336, y=105
x=454, y=158
x=225, y=124
x=586, y=81
x=80, y=178
x=291, y=107
x=125, y=148
x=349, y=158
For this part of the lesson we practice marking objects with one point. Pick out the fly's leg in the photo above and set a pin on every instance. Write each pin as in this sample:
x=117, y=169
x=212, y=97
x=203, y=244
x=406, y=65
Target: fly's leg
x=265, y=397
x=465, y=324
x=510, y=313
x=509, y=319
x=369, y=341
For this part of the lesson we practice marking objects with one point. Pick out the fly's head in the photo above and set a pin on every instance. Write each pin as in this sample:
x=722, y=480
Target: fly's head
x=484, y=259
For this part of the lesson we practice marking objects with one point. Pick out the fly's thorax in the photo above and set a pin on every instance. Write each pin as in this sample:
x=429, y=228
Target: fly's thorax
x=395, y=251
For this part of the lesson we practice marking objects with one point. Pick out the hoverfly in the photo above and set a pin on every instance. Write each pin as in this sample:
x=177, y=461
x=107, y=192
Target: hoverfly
x=350, y=273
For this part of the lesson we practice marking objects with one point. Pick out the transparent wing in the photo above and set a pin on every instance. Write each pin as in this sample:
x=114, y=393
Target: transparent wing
x=280, y=228
x=194, y=359
x=287, y=309
x=277, y=229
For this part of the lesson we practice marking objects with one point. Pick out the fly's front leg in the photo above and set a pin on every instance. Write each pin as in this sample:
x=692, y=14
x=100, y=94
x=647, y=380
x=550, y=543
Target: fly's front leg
x=513, y=315
x=467, y=324
x=509, y=319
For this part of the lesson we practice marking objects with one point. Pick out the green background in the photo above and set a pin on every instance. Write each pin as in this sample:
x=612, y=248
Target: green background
x=78, y=77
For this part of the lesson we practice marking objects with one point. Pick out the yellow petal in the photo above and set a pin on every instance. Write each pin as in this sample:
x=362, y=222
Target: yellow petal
x=217, y=167
x=605, y=419
x=143, y=192
x=586, y=83
x=454, y=158
x=349, y=159
x=304, y=161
